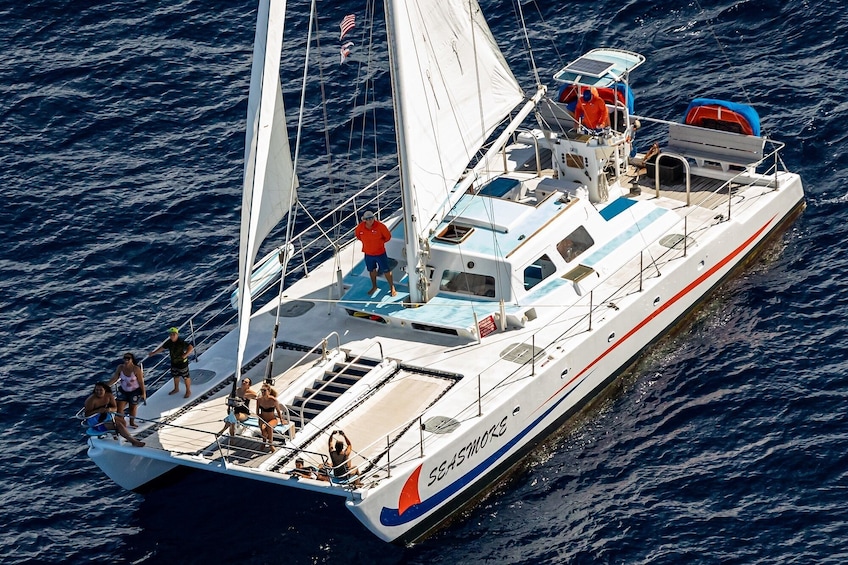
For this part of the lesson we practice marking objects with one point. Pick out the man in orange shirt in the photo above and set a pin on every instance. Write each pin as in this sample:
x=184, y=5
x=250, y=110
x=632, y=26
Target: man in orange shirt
x=591, y=110
x=374, y=234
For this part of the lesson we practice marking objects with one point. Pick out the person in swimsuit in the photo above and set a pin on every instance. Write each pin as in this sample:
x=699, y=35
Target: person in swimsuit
x=340, y=450
x=302, y=471
x=270, y=414
x=131, y=390
x=240, y=409
x=100, y=404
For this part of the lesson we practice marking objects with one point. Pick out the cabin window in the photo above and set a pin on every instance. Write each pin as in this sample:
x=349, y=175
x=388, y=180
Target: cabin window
x=573, y=161
x=468, y=283
x=538, y=271
x=576, y=243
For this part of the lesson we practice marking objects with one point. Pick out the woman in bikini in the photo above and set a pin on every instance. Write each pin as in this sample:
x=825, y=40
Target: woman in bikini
x=269, y=412
x=239, y=411
x=131, y=390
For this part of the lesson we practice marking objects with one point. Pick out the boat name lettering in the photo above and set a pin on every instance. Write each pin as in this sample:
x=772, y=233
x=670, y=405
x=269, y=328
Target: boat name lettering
x=467, y=452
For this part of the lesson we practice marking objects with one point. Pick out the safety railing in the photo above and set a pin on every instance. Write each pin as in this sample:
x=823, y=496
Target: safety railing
x=381, y=465
x=578, y=325
x=311, y=246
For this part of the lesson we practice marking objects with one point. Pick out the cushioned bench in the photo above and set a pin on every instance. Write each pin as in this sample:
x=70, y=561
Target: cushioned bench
x=285, y=431
x=708, y=146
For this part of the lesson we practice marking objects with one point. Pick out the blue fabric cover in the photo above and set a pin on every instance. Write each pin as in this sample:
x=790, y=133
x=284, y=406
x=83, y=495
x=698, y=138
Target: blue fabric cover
x=743, y=109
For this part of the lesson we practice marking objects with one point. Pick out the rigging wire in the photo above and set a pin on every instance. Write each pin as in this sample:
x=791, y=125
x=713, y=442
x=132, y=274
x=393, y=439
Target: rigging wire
x=727, y=59
x=526, y=37
x=334, y=196
x=290, y=220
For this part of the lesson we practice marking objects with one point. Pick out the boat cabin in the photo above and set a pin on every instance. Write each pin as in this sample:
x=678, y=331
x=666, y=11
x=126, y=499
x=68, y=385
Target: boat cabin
x=516, y=240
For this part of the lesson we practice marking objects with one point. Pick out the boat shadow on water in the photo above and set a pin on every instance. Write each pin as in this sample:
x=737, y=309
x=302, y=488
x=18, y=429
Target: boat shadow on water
x=217, y=518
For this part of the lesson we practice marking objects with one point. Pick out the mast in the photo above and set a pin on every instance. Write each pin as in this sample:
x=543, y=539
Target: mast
x=451, y=89
x=414, y=268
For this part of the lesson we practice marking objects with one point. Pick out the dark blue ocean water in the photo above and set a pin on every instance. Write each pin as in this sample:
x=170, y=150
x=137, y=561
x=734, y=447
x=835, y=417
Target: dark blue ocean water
x=120, y=166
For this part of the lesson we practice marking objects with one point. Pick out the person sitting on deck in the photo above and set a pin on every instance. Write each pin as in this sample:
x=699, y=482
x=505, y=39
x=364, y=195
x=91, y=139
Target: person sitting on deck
x=301, y=470
x=340, y=456
x=239, y=409
x=591, y=110
x=270, y=415
x=99, y=406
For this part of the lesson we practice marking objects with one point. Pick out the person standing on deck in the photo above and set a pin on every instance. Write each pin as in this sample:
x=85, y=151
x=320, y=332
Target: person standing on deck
x=179, y=349
x=374, y=234
x=131, y=390
x=591, y=110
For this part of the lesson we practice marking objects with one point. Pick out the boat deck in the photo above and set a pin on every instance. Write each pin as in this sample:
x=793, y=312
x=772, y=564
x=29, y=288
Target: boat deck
x=705, y=192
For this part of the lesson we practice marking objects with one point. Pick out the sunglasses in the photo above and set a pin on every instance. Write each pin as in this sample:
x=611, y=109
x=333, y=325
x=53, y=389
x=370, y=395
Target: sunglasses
x=127, y=358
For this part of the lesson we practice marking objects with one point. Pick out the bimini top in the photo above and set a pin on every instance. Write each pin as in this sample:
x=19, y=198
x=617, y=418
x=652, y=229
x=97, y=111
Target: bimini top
x=600, y=67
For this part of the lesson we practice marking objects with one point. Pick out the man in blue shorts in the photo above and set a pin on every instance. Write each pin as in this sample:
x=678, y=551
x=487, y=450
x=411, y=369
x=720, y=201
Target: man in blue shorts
x=374, y=234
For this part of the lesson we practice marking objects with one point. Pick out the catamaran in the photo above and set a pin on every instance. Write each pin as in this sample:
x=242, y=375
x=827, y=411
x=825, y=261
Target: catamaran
x=534, y=260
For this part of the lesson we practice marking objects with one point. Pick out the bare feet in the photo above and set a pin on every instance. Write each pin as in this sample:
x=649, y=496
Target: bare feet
x=137, y=443
x=132, y=424
x=394, y=292
x=187, y=394
x=372, y=291
x=175, y=391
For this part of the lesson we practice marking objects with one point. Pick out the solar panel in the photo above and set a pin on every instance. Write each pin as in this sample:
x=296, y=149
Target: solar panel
x=587, y=66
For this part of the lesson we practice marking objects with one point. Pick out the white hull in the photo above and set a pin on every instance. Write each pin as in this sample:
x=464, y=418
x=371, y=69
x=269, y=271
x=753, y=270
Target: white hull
x=571, y=378
x=526, y=409
x=531, y=286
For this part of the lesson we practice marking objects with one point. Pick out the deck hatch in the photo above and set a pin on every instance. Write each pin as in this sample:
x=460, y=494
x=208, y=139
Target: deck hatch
x=440, y=425
x=295, y=308
x=521, y=353
x=675, y=241
x=454, y=233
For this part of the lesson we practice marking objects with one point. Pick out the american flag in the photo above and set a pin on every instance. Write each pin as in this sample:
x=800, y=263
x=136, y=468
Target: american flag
x=345, y=51
x=348, y=23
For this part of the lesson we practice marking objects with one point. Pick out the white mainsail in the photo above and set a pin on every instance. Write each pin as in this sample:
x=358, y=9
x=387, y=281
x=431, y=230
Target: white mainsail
x=269, y=181
x=452, y=87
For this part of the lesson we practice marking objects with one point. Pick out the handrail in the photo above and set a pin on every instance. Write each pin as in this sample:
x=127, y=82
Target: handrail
x=322, y=344
x=686, y=168
x=338, y=373
x=526, y=369
x=666, y=257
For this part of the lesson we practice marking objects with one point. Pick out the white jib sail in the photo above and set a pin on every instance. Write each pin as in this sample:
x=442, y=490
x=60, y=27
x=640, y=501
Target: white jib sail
x=453, y=87
x=269, y=181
